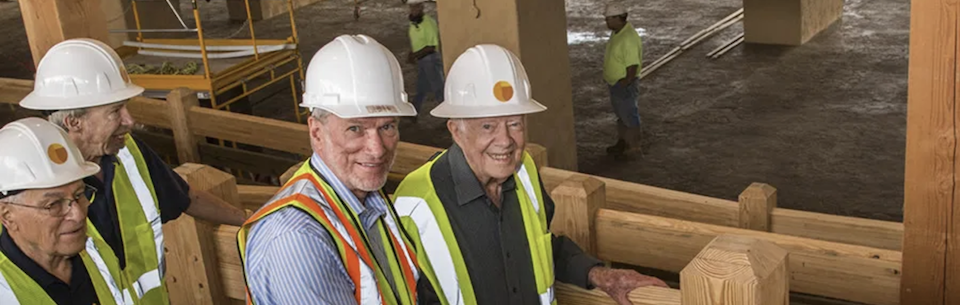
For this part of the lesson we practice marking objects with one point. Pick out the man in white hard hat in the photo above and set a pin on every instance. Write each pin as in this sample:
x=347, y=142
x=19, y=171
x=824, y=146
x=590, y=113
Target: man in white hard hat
x=425, y=52
x=82, y=85
x=479, y=213
x=621, y=66
x=330, y=235
x=48, y=255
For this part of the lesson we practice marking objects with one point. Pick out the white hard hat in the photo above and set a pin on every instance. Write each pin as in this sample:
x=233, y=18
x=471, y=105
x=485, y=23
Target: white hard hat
x=355, y=76
x=80, y=73
x=38, y=154
x=412, y=2
x=486, y=81
x=615, y=8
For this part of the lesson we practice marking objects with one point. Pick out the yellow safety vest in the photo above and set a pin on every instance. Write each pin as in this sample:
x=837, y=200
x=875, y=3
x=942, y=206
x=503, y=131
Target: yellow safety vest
x=441, y=260
x=17, y=287
x=308, y=192
x=141, y=228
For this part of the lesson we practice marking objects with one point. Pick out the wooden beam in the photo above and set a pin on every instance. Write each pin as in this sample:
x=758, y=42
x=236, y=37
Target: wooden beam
x=572, y=295
x=756, y=204
x=255, y=196
x=50, y=22
x=179, y=103
x=931, y=246
x=842, y=271
x=737, y=270
x=193, y=276
x=577, y=201
x=248, y=129
x=260, y=163
x=842, y=229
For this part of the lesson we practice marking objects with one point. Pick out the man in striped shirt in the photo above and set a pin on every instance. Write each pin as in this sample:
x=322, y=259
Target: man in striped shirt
x=329, y=236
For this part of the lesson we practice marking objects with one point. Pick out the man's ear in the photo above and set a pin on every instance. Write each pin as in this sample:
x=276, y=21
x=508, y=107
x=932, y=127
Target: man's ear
x=454, y=128
x=6, y=218
x=72, y=123
x=315, y=129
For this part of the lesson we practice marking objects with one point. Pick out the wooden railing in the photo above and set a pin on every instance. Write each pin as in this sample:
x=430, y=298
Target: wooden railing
x=842, y=257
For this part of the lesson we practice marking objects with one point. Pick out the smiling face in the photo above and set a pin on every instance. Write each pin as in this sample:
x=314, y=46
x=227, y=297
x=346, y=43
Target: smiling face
x=37, y=230
x=493, y=146
x=101, y=130
x=359, y=151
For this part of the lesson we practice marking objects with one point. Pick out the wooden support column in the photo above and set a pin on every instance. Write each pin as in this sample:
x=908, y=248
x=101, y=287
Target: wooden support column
x=534, y=30
x=736, y=270
x=756, y=205
x=193, y=272
x=931, y=246
x=577, y=201
x=49, y=22
x=180, y=101
x=787, y=22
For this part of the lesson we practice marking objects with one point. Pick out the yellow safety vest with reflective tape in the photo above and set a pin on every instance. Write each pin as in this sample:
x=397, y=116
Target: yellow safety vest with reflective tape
x=441, y=260
x=308, y=192
x=17, y=287
x=140, y=227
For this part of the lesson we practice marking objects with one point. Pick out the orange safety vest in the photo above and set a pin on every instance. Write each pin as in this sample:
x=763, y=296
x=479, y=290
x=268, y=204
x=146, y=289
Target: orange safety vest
x=350, y=238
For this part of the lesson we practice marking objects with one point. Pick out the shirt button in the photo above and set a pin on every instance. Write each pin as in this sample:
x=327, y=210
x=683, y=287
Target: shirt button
x=508, y=254
x=514, y=289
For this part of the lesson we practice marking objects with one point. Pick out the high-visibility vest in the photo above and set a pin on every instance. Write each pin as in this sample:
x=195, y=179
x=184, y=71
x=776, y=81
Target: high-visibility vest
x=441, y=260
x=17, y=287
x=308, y=192
x=141, y=228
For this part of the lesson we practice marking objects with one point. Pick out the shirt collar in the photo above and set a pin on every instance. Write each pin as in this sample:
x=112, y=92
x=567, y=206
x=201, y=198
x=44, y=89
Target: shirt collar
x=26, y=264
x=374, y=202
x=465, y=182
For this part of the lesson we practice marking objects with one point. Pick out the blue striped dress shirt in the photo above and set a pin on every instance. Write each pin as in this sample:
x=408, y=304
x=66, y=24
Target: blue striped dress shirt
x=292, y=259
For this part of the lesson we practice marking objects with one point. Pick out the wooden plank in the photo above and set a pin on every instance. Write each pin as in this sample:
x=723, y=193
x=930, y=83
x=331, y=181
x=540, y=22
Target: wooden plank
x=756, y=203
x=247, y=129
x=930, y=175
x=848, y=230
x=842, y=271
x=572, y=295
x=179, y=103
x=50, y=22
x=14, y=90
x=259, y=163
x=639, y=198
x=228, y=255
x=254, y=196
x=577, y=201
x=193, y=275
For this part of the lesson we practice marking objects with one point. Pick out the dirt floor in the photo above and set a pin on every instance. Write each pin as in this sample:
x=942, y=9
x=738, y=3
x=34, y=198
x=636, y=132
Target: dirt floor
x=824, y=122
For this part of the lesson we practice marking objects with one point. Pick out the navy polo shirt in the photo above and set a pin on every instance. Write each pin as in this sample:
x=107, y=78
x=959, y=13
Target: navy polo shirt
x=80, y=291
x=173, y=197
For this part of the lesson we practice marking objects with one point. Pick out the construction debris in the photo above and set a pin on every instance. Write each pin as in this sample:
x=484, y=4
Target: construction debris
x=167, y=68
x=725, y=47
x=693, y=41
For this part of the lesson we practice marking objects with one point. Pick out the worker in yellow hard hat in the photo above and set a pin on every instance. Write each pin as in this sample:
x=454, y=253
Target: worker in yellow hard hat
x=425, y=52
x=622, y=63
x=83, y=87
x=478, y=213
x=330, y=235
x=49, y=254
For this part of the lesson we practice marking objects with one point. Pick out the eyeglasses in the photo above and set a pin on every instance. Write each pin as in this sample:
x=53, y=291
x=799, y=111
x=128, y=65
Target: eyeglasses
x=60, y=207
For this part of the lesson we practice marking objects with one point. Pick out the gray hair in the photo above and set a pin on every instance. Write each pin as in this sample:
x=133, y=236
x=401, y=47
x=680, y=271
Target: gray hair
x=320, y=115
x=57, y=118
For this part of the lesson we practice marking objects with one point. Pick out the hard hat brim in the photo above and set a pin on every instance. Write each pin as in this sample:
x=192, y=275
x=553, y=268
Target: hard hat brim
x=86, y=170
x=449, y=111
x=367, y=111
x=37, y=102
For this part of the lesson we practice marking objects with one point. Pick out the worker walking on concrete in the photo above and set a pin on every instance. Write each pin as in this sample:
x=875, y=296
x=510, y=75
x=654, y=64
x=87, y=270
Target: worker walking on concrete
x=425, y=52
x=48, y=253
x=330, y=235
x=478, y=213
x=82, y=85
x=621, y=66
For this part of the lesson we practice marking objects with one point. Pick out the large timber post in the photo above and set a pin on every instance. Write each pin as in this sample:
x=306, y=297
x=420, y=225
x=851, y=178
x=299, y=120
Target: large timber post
x=931, y=245
x=52, y=21
x=535, y=30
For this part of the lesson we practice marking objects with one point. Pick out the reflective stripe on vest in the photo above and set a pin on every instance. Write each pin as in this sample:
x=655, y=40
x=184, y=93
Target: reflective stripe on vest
x=32, y=294
x=417, y=201
x=310, y=194
x=142, y=238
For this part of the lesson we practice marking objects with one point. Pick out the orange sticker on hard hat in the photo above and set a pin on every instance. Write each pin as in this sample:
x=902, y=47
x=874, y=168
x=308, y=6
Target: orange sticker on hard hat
x=503, y=91
x=57, y=153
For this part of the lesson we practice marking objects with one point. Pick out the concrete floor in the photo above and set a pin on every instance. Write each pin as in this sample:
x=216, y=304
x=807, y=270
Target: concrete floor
x=824, y=123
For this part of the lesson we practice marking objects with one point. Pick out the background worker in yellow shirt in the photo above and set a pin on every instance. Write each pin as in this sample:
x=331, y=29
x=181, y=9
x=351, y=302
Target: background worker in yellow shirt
x=425, y=52
x=621, y=66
